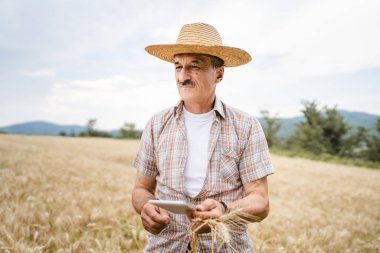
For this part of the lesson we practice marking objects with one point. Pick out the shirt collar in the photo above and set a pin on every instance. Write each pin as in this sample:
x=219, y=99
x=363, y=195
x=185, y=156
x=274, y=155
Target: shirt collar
x=218, y=107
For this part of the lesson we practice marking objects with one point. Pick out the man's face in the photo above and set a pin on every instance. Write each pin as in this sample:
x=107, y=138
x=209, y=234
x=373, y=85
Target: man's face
x=196, y=77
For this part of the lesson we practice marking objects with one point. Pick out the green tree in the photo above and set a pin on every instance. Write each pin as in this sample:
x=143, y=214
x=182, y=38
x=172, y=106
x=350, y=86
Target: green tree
x=62, y=133
x=92, y=131
x=90, y=126
x=334, y=131
x=309, y=134
x=271, y=126
x=323, y=131
x=372, y=152
x=355, y=143
x=129, y=131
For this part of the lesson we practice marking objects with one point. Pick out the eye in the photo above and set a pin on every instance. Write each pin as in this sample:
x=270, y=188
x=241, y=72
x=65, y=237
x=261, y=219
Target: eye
x=178, y=67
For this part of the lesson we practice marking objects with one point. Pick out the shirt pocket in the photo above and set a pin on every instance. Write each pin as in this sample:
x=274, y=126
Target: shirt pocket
x=229, y=166
x=229, y=162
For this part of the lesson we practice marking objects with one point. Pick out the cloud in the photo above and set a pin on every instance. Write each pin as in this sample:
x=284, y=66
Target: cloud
x=112, y=100
x=313, y=38
x=45, y=72
x=89, y=55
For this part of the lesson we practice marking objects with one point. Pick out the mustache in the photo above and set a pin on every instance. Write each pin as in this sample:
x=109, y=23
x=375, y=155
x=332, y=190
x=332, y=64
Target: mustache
x=187, y=82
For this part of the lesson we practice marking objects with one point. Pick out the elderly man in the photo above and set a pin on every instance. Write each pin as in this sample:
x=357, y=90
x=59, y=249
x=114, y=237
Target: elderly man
x=201, y=151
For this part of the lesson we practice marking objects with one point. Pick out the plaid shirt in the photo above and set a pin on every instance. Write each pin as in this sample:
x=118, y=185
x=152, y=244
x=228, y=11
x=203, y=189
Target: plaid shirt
x=237, y=154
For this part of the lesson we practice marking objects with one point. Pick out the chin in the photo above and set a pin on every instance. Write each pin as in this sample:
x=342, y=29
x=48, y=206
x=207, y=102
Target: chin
x=186, y=96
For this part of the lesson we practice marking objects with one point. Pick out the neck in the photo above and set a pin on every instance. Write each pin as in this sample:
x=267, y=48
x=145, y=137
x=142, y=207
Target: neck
x=199, y=107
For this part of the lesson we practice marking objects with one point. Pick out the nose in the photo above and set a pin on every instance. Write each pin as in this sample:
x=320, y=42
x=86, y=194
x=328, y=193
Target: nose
x=183, y=75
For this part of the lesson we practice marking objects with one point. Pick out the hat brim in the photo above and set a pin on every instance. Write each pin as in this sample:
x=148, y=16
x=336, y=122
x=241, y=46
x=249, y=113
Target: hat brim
x=231, y=56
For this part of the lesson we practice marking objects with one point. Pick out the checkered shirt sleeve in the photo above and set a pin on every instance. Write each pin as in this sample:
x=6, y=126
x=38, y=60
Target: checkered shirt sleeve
x=145, y=161
x=255, y=161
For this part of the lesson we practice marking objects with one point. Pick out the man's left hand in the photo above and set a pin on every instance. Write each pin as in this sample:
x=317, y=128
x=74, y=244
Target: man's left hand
x=209, y=209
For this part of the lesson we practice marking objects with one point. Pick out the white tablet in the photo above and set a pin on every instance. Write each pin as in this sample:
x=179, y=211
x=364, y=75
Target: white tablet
x=180, y=207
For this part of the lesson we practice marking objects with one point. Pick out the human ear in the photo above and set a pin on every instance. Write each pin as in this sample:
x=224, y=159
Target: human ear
x=219, y=74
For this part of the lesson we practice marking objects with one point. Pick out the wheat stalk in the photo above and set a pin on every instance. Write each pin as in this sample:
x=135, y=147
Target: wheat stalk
x=222, y=228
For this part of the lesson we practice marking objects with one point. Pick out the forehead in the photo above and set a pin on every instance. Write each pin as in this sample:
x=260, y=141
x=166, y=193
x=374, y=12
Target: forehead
x=199, y=58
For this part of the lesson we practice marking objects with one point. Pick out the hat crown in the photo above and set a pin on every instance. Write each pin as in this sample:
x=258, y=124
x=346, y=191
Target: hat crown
x=199, y=34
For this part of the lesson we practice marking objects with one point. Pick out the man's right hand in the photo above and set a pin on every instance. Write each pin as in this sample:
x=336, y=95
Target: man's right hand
x=154, y=218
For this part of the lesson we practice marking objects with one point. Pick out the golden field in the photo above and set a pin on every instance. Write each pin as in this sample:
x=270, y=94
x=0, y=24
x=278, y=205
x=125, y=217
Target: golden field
x=61, y=194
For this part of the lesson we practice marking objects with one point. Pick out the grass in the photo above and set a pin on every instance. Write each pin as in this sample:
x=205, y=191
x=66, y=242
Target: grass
x=62, y=194
x=327, y=158
x=67, y=195
x=3, y=166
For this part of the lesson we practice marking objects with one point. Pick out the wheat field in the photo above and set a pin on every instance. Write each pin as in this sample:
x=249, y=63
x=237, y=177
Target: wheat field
x=61, y=194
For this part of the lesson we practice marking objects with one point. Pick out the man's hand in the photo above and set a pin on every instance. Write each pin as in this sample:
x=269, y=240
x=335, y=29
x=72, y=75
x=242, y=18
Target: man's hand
x=154, y=218
x=209, y=209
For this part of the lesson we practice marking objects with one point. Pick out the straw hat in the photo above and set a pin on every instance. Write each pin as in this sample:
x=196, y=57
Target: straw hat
x=200, y=38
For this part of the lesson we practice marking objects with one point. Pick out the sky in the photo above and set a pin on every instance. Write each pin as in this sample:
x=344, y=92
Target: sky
x=68, y=61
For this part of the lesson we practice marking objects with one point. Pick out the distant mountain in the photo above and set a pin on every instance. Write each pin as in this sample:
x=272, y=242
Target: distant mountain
x=289, y=125
x=42, y=128
x=354, y=119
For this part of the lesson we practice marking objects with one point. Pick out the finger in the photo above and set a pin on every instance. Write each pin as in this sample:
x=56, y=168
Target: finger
x=207, y=205
x=148, y=224
x=208, y=214
x=164, y=213
x=152, y=226
x=157, y=215
x=160, y=216
x=154, y=212
x=152, y=218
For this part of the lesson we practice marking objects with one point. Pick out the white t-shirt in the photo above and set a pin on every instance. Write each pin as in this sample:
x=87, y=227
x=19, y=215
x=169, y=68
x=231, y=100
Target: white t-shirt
x=198, y=127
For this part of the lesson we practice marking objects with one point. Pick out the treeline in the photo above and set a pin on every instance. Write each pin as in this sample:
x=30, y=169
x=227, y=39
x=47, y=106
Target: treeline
x=127, y=131
x=324, y=134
